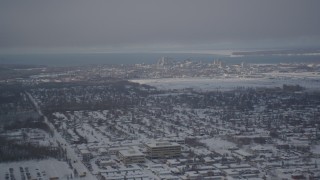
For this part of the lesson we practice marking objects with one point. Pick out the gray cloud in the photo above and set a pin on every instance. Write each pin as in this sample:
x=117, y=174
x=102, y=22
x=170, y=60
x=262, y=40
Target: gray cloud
x=144, y=23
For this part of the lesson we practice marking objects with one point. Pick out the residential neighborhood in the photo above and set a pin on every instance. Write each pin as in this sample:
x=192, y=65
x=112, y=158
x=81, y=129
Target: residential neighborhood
x=118, y=129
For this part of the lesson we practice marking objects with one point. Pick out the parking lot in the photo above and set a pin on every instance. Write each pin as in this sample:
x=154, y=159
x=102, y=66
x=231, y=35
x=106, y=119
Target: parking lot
x=40, y=170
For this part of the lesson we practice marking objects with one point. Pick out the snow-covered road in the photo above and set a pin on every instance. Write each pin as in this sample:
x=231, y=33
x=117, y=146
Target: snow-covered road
x=76, y=161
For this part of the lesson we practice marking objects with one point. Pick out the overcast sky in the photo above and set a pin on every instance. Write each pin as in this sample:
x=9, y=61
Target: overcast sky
x=163, y=25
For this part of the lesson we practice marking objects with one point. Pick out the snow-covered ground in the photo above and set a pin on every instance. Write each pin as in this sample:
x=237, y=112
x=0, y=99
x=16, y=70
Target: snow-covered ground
x=44, y=169
x=309, y=81
x=172, y=116
x=219, y=145
x=77, y=164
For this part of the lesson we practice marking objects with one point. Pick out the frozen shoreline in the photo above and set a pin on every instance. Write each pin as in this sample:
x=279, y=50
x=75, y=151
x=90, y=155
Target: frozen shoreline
x=209, y=84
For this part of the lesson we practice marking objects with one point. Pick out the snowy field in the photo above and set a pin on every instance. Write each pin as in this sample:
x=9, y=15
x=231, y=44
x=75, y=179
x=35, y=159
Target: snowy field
x=308, y=81
x=218, y=145
x=43, y=169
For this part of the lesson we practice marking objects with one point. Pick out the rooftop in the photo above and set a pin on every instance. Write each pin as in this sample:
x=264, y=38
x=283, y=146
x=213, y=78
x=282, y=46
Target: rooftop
x=131, y=152
x=162, y=144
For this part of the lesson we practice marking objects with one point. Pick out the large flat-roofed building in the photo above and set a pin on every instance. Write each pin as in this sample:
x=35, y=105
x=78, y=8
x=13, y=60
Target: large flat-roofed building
x=131, y=156
x=163, y=149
